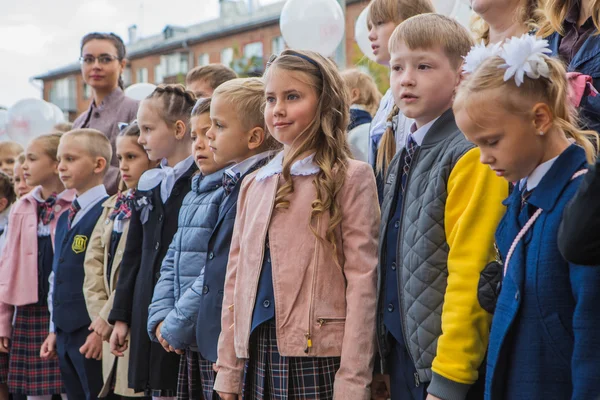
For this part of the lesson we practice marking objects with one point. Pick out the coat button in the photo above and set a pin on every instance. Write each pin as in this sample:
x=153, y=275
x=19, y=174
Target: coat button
x=211, y=255
x=96, y=114
x=397, y=224
x=157, y=246
x=266, y=304
x=205, y=289
x=390, y=307
x=61, y=260
x=160, y=218
x=393, y=266
x=107, y=221
x=57, y=208
x=517, y=296
x=176, y=192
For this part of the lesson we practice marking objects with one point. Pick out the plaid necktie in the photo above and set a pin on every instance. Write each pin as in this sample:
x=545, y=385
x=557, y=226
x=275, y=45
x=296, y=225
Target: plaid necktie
x=123, y=206
x=229, y=182
x=73, y=209
x=46, y=209
x=411, y=147
x=525, y=195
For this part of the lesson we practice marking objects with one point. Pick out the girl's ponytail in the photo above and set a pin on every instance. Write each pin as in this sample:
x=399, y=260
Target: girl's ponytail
x=387, y=147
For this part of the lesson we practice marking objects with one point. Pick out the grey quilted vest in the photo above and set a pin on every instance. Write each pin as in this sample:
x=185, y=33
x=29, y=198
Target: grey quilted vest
x=422, y=249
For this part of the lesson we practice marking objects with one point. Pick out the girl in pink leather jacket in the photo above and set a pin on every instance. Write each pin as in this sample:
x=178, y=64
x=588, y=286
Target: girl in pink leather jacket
x=299, y=301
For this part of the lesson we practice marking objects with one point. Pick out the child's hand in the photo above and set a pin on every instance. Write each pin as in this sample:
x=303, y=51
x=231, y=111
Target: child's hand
x=4, y=344
x=432, y=397
x=48, y=350
x=380, y=387
x=229, y=396
x=92, y=348
x=118, y=338
x=102, y=328
x=163, y=342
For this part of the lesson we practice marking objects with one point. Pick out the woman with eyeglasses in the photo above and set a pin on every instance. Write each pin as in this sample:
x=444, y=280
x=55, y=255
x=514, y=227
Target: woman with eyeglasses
x=102, y=63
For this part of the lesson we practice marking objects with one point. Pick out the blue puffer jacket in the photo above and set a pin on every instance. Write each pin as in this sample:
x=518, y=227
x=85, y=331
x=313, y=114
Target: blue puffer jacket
x=174, y=300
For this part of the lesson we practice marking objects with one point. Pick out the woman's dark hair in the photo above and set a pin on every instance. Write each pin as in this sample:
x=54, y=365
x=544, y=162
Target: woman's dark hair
x=114, y=39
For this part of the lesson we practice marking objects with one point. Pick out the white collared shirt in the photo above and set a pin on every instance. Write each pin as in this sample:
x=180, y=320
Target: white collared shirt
x=88, y=200
x=534, y=179
x=243, y=167
x=303, y=167
x=166, y=176
x=419, y=134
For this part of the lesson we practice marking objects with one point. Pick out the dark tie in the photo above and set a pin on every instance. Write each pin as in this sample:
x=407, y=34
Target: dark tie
x=411, y=147
x=73, y=209
x=229, y=182
x=525, y=195
x=46, y=209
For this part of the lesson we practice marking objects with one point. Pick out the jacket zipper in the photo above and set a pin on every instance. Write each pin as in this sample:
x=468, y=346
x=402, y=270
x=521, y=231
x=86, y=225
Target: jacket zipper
x=337, y=320
x=399, y=258
x=312, y=290
x=262, y=258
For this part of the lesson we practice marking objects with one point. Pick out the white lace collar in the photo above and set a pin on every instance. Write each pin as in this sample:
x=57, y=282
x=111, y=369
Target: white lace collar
x=302, y=167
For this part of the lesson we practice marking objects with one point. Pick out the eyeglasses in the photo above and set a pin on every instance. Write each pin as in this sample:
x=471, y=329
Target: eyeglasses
x=103, y=59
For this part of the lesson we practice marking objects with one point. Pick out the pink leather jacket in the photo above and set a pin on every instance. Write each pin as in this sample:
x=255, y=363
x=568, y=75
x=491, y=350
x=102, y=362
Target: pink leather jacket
x=19, y=259
x=332, y=307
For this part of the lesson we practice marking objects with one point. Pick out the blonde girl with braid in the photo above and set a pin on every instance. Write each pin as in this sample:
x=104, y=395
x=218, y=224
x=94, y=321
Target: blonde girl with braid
x=497, y=20
x=301, y=276
x=164, y=122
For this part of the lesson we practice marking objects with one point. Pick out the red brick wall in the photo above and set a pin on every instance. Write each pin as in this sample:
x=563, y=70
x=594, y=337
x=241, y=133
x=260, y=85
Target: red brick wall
x=213, y=48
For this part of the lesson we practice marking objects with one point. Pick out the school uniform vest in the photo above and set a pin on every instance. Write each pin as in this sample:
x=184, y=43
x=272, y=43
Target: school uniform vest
x=69, y=309
x=391, y=311
x=208, y=326
x=45, y=260
x=264, y=307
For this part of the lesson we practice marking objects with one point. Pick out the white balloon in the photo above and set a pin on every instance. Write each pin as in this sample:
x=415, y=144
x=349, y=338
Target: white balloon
x=361, y=34
x=316, y=25
x=139, y=91
x=28, y=119
x=59, y=116
x=445, y=7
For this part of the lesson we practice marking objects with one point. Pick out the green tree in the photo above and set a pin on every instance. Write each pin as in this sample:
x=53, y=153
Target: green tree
x=380, y=73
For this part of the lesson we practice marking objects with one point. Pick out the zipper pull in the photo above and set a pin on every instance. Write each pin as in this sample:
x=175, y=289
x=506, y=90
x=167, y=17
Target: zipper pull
x=308, y=343
x=417, y=380
x=321, y=322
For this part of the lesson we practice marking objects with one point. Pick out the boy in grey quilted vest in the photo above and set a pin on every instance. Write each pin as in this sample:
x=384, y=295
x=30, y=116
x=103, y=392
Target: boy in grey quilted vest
x=439, y=213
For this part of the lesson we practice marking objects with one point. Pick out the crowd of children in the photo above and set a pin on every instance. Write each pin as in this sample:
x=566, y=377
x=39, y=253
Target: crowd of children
x=299, y=236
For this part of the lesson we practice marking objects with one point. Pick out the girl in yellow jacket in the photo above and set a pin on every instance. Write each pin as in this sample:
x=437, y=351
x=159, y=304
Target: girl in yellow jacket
x=103, y=258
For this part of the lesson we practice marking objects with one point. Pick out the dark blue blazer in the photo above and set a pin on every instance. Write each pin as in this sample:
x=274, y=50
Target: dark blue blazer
x=69, y=309
x=586, y=61
x=545, y=341
x=208, y=326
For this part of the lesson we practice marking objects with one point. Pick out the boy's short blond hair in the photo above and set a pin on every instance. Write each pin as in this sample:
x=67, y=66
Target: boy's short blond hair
x=247, y=97
x=428, y=31
x=11, y=148
x=214, y=74
x=95, y=142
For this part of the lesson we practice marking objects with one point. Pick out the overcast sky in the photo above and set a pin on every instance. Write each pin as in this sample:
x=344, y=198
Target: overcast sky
x=36, y=36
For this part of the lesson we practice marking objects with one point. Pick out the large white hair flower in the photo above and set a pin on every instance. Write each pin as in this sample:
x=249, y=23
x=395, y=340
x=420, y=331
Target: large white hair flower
x=525, y=55
x=478, y=54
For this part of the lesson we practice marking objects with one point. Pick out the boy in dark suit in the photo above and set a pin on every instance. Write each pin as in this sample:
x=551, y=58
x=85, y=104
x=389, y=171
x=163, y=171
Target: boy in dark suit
x=84, y=156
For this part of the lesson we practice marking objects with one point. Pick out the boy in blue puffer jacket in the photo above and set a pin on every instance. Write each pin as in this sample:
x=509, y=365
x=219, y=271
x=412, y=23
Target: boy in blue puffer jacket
x=174, y=308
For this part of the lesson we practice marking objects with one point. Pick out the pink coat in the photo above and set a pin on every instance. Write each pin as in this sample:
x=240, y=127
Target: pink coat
x=18, y=262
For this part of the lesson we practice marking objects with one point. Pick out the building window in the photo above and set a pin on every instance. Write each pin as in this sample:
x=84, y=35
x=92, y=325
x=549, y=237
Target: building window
x=174, y=64
x=87, y=91
x=203, y=59
x=142, y=75
x=64, y=94
x=127, y=76
x=277, y=45
x=253, y=50
x=227, y=56
x=159, y=75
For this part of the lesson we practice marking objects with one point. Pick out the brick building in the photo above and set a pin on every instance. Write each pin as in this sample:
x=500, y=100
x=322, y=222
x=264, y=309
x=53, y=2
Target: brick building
x=244, y=36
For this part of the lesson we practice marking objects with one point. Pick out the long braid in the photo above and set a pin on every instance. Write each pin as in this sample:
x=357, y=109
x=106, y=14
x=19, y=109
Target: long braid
x=178, y=103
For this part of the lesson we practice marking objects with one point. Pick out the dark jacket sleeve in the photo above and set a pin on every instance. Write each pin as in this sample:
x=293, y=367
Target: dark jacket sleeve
x=130, y=265
x=579, y=233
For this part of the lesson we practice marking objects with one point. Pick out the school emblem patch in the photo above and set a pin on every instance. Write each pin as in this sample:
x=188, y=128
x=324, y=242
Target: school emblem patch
x=79, y=244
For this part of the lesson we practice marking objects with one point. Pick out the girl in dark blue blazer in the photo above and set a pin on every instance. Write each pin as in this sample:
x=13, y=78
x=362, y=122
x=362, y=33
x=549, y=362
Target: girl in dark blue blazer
x=544, y=342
